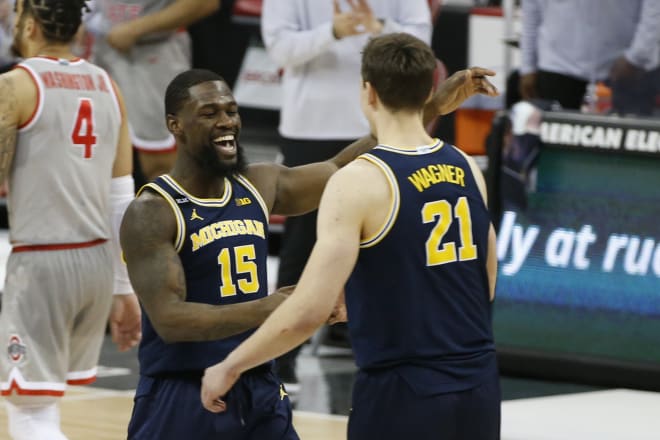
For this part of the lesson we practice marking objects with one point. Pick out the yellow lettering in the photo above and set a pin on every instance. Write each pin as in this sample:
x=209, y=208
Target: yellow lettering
x=260, y=229
x=217, y=233
x=231, y=228
x=250, y=228
x=449, y=170
x=433, y=171
x=440, y=173
x=240, y=227
x=207, y=235
x=196, y=241
x=416, y=180
x=226, y=229
x=427, y=177
x=460, y=176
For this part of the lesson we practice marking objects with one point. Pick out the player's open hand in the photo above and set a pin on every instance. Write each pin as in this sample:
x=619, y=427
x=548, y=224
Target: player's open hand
x=123, y=37
x=125, y=321
x=216, y=382
x=459, y=87
x=345, y=23
x=339, y=313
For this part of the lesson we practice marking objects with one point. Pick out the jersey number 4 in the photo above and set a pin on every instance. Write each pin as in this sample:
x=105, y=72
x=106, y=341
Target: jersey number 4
x=438, y=252
x=83, y=129
x=244, y=257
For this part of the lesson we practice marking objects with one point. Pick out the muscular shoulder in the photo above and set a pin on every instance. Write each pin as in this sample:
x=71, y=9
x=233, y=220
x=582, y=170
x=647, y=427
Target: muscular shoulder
x=361, y=183
x=264, y=178
x=148, y=221
x=19, y=93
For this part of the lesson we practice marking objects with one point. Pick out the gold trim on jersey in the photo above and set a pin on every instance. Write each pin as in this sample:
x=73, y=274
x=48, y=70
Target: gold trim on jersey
x=214, y=203
x=423, y=149
x=251, y=188
x=178, y=215
x=395, y=202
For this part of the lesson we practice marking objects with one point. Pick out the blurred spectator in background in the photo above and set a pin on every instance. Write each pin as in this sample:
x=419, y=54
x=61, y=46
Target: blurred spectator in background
x=219, y=44
x=6, y=58
x=568, y=44
x=319, y=44
x=143, y=45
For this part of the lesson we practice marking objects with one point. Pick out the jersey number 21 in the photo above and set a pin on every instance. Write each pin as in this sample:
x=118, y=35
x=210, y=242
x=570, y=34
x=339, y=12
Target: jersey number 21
x=438, y=252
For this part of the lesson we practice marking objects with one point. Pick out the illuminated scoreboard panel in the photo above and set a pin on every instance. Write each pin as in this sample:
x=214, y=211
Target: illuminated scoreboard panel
x=579, y=264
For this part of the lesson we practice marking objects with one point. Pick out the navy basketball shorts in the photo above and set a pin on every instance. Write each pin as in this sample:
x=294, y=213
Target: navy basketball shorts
x=386, y=407
x=169, y=408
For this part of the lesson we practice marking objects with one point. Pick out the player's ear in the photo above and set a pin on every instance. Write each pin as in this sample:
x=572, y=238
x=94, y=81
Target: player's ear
x=372, y=96
x=30, y=28
x=173, y=124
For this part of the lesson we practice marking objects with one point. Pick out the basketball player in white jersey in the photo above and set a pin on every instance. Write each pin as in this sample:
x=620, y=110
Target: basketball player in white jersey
x=65, y=149
x=143, y=45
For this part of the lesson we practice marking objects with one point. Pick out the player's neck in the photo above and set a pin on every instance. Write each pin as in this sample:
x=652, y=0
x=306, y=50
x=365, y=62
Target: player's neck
x=402, y=130
x=53, y=50
x=196, y=182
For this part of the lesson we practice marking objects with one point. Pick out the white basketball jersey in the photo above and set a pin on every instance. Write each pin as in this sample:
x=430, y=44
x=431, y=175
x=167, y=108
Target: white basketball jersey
x=109, y=13
x=59, y=187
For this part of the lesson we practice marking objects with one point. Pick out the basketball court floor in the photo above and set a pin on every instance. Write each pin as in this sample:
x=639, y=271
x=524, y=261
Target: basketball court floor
x=102, y=411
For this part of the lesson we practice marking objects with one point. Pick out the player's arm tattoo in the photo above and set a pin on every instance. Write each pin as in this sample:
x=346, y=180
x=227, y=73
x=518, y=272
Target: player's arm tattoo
x=8, y=129
x=158, y=277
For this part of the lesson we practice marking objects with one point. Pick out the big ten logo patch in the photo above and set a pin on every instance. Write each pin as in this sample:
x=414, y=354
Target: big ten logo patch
x=16, y=349
x=243, y=201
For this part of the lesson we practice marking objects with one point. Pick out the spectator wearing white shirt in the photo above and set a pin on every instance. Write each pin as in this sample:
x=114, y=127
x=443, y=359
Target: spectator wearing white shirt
x=567, y=44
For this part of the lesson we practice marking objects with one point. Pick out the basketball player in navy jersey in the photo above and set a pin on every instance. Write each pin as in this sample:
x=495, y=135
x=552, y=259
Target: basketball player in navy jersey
x=195, y=243
x=406, y=232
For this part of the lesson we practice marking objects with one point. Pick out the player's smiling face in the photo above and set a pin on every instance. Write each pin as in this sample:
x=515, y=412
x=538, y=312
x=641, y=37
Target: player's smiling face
x=212, y=126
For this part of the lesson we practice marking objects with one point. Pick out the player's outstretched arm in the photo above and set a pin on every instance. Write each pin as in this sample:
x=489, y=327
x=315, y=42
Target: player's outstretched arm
x=155, y=270
x=345, y=204
x=297, y=190
x=456, y=89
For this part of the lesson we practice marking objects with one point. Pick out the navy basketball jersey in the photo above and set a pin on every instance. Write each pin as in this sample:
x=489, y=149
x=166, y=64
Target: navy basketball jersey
x=222, y=244
x=419, y=294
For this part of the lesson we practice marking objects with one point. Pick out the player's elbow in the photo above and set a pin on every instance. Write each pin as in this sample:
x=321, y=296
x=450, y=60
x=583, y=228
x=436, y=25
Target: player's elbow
x=166, y=327
x=308, y=323
x=210, y=7
x=167, y=333
x=204, y=8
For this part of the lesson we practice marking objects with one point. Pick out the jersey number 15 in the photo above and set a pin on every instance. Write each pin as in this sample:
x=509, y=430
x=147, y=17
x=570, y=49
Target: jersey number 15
x=244, y=257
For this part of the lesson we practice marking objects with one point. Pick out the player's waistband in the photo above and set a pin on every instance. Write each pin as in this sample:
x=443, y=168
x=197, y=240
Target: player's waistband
x=195, y=375
x=57, y=246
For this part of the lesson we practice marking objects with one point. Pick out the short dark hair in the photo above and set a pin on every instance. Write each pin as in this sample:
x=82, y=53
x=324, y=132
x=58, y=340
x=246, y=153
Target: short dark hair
x=400, y=68
x=59, y=19
x=177, y=90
